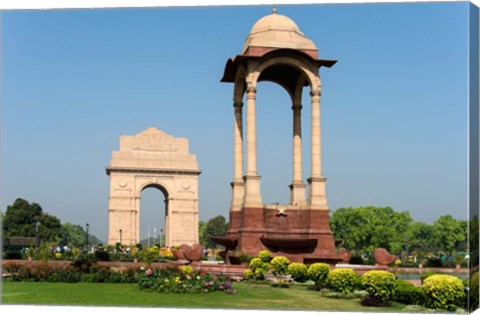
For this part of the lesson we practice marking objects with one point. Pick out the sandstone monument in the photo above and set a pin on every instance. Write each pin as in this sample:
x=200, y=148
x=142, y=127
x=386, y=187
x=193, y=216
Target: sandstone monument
x=277, y=51
x=153, y=158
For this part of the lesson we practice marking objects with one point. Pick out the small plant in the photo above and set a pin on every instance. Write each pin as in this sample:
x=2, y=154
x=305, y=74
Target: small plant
x=248, y=274
x=318, y=273
x=343, y=280
x=280, y=268
x=298, y=272
x=259, y=268
x=265, y=256
x=380, y=285
x=427, y=274
x=444, y=292
x=473, y=291
x=186, y=270
x=407, y=293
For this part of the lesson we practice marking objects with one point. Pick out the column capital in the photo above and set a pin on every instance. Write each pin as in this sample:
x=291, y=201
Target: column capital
x=297, y=107
x=316, y=92
x=237, y=104
x=251, y=89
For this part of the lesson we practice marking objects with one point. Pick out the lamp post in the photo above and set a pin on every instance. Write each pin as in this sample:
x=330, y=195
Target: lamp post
x=86, y=236
x=37, y=234
x=120, y=236
x=159, y=238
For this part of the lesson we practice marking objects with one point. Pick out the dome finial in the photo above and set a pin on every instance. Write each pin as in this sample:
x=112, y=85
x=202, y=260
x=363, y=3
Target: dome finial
x=274, y=9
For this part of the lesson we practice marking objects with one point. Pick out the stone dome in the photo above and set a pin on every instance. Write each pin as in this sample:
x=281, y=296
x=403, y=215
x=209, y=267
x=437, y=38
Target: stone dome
x=276, y=31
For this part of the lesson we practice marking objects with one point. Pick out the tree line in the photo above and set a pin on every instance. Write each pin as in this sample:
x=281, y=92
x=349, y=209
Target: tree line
x=363, y=229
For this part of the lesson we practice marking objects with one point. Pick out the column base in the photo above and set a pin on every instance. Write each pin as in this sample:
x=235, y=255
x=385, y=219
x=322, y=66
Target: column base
x=238, y=192
x=253, y=197
x=316, y=193
x=297, y=194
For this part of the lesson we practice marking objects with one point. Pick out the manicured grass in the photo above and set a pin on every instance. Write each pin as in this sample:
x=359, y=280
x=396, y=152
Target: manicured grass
x=249, y=296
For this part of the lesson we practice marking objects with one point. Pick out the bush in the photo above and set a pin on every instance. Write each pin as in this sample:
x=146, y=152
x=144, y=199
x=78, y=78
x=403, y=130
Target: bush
x=259, y=268
x=187, y=270
x=265, y=255
x=102, y=255
x=379, y=284
x=474, y=291
x=318, y=273
x=298, y=271
x=444, y=292
x=407, y=293
x=280, y=265
x=248, y=274
x=343, y=280
x=427, y=274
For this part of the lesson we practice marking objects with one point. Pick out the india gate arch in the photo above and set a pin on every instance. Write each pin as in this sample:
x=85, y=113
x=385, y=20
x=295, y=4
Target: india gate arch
x=277, y=51
x=153, y=159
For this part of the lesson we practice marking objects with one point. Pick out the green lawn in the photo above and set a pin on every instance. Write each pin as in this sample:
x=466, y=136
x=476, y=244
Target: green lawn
x=249, y=296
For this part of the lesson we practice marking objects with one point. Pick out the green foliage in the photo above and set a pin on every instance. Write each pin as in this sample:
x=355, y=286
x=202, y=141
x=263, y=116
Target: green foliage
x=248, y=274
x=216, y=226
x=187, y=270
x=259, y=268
x=447, y=233
x=427, y=274
x=298, y=272
x=170, y=280
x=379, y=284
x=444, y=292
x=474, y=291
x=407, y=293
x=280, y=265
x=366, y=228
x=343, y=280
x=265, y=255
x=201, y=232
x=149, y=255
x=84, y=263
x=357, y=294
x=318, y=273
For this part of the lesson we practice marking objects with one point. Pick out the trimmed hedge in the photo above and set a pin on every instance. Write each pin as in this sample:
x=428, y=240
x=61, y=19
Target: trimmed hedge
x=318, y=273
x=279, y=265
x=379, y=284
x=265, y=255
x=407, y=293
x=444, y=292
x=343, y=280
x=298, y=272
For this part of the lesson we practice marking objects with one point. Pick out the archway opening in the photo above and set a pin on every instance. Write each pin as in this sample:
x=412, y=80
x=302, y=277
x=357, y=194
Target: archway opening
x=153, y=215
x=274, y=141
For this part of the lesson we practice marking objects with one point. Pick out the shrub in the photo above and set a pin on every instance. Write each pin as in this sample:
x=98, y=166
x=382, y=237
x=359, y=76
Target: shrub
x=407, y=293
x=84, y=262
x=298, y=271
x=379, y=284
x=444, y=292
x=318, y=273
x=473, y=291
x=259, y=268
x=427, y=274
x=187, y=270
x=248, y=274
x=265, y=255
x=280, y=265
x=102, y=255
x=343, y=280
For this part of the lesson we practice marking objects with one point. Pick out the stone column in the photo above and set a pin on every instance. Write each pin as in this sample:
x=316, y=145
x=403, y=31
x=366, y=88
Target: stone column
x=237, y=184
x=316, y=195
x=252, y=198
x=297, y=188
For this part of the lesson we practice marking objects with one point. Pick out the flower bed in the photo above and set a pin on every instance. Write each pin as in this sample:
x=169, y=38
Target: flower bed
x=172, y=280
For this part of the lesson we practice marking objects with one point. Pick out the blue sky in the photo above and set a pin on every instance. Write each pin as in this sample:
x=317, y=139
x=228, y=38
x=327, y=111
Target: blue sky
x=394, y=107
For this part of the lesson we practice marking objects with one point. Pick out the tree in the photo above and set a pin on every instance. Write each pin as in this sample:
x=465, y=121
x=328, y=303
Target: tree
x=447, y=233
x=363, y=229
x=74, y=235
x=21, y=219
x=214, y=227
x=201, y=231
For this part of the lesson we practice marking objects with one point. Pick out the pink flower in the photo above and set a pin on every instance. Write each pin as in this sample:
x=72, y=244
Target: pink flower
x=148, y=272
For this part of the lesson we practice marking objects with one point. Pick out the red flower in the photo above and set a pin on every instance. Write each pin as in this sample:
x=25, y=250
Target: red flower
x=202, y=273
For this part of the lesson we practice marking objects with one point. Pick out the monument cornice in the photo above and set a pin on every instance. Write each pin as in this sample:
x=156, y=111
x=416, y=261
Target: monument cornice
x=160, y=171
